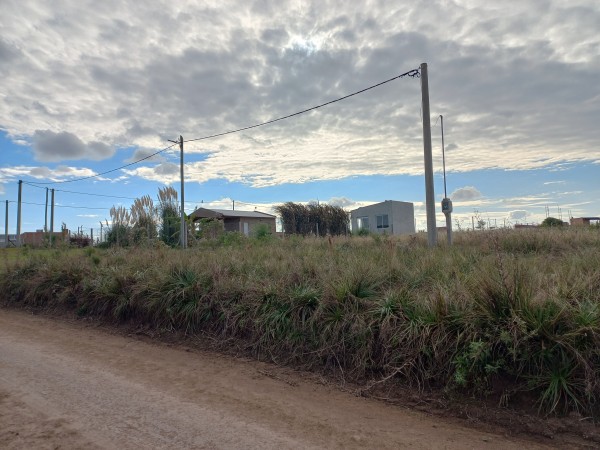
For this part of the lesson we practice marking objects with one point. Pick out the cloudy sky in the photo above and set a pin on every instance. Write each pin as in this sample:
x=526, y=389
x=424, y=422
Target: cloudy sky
x=90, y=86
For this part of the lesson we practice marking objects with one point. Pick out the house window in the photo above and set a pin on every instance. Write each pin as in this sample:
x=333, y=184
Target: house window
x=363, y=223
x=382, y=221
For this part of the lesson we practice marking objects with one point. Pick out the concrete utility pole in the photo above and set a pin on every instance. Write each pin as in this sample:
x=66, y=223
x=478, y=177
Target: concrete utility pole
x=52, y=218
x=183, y=229
x=6, y=227
x=19, y=213
x=446, y=202
x=429, y=191
x=46, y=214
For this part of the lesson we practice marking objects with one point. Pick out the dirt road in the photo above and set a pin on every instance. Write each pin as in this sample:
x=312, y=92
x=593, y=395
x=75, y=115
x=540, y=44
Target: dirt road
x=65, y=385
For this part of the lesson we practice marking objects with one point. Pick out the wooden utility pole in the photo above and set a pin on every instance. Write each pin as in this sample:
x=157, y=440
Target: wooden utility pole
x=429, y=191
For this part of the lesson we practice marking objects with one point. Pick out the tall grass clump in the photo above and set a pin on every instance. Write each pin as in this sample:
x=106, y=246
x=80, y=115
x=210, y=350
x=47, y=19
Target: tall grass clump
x=499, y=313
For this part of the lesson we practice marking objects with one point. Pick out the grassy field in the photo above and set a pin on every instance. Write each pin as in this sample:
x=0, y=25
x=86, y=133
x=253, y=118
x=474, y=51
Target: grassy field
x=505, y=312
x=12, y=255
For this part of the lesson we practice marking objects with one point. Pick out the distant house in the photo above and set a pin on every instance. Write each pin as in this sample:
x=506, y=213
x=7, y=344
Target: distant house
x=584, y=221
x=39, y=238
x=388, y=217
x=241, y=221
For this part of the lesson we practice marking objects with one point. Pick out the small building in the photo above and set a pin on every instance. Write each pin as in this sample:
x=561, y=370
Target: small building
x=388, y=217
x=40, y=238
x=241, y=221
x=584, y=221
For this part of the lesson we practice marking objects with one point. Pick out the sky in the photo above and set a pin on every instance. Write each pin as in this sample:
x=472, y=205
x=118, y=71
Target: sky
x=88, y=87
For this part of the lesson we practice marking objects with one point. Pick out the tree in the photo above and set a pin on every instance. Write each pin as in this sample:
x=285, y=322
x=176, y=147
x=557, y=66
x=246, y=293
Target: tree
x=480, y=223
x=319, y=219
x=143, y=219
x=120, y=228
x=552, y=222
x=169, y=216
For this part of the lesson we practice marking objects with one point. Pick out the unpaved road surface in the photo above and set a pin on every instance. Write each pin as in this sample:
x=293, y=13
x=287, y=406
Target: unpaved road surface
x=66, y=385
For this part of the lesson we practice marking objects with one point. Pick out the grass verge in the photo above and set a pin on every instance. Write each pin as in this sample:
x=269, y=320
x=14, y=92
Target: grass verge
x=504, y=313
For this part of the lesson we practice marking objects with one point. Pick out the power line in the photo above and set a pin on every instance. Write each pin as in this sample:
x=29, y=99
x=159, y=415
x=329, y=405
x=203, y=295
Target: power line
x=82, y=193
x=108, y=171
x=60, y=206
x=414, y=73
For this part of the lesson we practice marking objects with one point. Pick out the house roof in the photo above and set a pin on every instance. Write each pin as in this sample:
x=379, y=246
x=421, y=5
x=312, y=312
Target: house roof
x=376, y=205
x=204, y=213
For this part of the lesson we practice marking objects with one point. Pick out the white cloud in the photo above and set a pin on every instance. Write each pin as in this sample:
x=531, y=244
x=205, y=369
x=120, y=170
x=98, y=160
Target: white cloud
x=43, y=173
x=519, y=214
x=555, y=182
x=341, y=201
x=467, y=193
x=517, y=90
x=166, y=173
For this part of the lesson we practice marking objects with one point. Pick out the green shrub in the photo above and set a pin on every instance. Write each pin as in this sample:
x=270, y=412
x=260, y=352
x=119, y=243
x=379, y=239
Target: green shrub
x=231, y=238
x=363, y=232
x=552, y=222
x=262, y=232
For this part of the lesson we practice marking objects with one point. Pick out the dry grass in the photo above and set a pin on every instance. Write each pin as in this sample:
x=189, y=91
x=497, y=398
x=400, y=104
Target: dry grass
x=511, y=308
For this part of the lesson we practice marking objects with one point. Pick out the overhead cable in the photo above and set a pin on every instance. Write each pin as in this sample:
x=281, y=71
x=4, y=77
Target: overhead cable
x=414, y=73
x=60, y=206
x=108, y=171
x=81, y=193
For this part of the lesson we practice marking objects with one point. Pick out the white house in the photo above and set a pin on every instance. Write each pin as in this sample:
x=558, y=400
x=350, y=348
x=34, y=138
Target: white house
x=388, y=217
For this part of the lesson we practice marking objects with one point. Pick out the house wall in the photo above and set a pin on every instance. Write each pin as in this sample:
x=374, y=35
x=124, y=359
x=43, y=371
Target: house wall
x=231, y=224
x=404, y=217
x=237, y=224
x=580, y=221
x=39, y=238
x=401, y=217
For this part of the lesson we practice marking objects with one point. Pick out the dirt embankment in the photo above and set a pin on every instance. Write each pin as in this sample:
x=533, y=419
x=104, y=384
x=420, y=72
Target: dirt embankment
x=70, y=386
